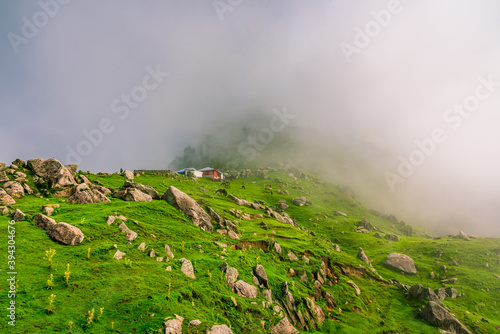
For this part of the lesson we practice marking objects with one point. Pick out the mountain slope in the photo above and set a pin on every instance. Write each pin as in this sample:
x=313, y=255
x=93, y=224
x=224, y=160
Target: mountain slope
x=139, y=296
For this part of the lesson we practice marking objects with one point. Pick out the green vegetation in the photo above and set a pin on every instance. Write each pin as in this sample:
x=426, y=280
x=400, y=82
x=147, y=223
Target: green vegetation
x=137, y=298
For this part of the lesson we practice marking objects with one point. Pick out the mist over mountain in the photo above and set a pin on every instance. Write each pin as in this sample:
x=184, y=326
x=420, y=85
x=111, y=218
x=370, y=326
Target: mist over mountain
x=396, y=99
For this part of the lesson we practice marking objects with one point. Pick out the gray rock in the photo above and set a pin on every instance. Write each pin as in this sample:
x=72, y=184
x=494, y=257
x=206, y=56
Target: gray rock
x=451, y=292
x=151, y=253
x=362, y=256
x=189, y=207
x=449, y=280
x=392, y=237
x=464, y=236
x=245, y=290
x=131, y=235
x=216, y=217
x=187, y=268
x=3, y=177
x=284, y=327
x=142, y=247
x=261, y=275
x=118, y=255
x=2, y=165
x=292, y=256
x=14, y=189
x=315, y=310
x=231, y=277
x=110, y=220
x=84, y=195
x=43, y=222
x=53, y=171
x=219, y=329
x=132, y=195
x=277, y=248
x=440, y=293
x=401, y=262
x=169, y=252
x=356, y=288
x=27, y=189
x=65, y=233
x=299, y=201
x=440, y=317
x=417, y=291
x=143, y=188
x=18, y=216
x=194, y=323
x=129, y=175
x=72, y=169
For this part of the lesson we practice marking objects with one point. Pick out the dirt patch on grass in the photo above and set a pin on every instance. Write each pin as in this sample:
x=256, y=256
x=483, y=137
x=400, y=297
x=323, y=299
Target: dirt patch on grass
x=251, y=244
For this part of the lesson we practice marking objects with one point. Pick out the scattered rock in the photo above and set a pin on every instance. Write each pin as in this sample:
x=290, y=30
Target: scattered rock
x=65, y=233
x=417, y=291
x=172, y=326
x=292, y=256
x=188, y=206
x=118, y=255
x=401, y=262
x=169, y=252
x=194, y=323
x=440, y=317
x=449, y=280
x=187, y=268
x=339, y=213
x=53, y=171
x=132, y=195
x=128, y=174
x=84, y=195
x=451, y=292
x=43, y=222
x=3, y=177
x=142, y=247
x=231, y=276
x=6, y=199
x=48, y=210
x=464, y=236
x=362, y=256
x=151, y=253
x=110, y=220
x=14, y=189
x=131, y=235
x=358, y=291
x=284, y=327
x=261, y=275
x=141, y=187
x=219, y=329
x=392, y=237
x=18, y=216
x=299, y=201
x=245, y=290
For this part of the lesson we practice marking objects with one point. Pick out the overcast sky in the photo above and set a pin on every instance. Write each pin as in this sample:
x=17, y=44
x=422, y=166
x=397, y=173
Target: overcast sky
x=151, y=76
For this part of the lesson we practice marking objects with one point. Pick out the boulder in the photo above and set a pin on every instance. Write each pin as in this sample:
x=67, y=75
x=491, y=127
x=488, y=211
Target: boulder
x=231, y=277
x=129, y=175
x=215, y=216
x=145, y=189
x=219, y=329
x=284, y=327
x=19, y=163
x=316, y=311
x=392, y=237
x=451, y=292
x=174, y=326
x=299, y=201
x=440, y=317
x=18, y=215
x=132, y=195
x=65, y=233
x=187, y=268
x=43, y=222
x=189, y=207
x=362, y=256
x=464, y=236
x=356, y=288
x=84, y=195
x=245, y=290
x=53, y=171
x=131, y=235
x=14, y=189
x=417, y=291
x=193, y=323
x=292, y=256
x=27, y=189
x=169, y=252
x=440, y=293
x=261, y=275
x=365, y=224
x=3, y=177
x=401, y=262
x=118, y=255
x=449, y=280
x=2, y=165
x=72, y=169
x=6, y=199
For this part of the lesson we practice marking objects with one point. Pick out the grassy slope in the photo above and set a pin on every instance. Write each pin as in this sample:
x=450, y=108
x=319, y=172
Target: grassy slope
x=131, y=295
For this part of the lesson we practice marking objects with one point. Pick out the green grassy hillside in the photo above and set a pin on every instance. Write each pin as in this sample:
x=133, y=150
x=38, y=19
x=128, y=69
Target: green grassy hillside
x=136, y=294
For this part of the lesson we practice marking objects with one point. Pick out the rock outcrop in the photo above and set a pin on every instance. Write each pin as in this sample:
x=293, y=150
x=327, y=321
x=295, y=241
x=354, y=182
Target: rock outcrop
x=189, y=207
x=440, y=317
x=401, y=262
x=52, y=171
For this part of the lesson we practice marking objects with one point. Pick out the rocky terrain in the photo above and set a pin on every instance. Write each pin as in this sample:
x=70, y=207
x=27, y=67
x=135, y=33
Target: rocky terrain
x=283, y=252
